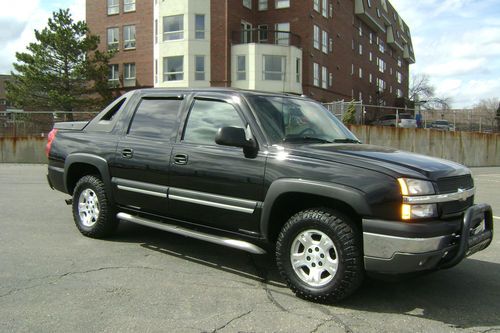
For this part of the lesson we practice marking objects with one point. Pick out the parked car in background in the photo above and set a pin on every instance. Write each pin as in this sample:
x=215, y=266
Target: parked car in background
x=443, y=125
x=405, y=120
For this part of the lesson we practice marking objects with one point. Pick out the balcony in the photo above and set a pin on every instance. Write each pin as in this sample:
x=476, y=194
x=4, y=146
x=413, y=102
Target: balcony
x=265, y=36
x=266, y=60
x=364, y=15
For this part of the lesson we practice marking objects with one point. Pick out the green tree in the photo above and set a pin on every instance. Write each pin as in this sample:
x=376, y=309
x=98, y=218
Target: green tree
x=62, y=70
x=349, y=117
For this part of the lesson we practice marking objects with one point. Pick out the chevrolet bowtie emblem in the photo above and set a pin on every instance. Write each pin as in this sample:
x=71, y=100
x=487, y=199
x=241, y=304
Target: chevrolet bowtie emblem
x=462, y=194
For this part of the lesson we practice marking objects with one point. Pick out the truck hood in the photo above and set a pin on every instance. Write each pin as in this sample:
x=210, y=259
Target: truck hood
x=382, y=158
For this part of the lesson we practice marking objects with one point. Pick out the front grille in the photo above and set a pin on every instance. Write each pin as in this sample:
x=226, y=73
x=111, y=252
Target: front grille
x=452, y=184
x=454, y=207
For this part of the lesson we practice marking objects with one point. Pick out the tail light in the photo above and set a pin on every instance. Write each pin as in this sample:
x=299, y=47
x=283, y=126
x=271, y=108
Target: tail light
x=50, y=139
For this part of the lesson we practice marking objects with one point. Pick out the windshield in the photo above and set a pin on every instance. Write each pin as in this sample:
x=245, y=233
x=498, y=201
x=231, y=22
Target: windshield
x=288, y=119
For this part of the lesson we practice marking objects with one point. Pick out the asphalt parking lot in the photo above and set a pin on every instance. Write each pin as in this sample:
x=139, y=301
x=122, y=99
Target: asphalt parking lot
x=52, y=279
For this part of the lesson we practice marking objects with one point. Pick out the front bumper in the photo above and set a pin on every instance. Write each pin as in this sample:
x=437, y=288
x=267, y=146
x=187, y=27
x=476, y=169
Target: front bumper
x=400, y=247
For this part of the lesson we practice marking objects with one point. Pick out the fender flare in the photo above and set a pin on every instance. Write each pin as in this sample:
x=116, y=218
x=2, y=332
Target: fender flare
x=96, y=161
x=351, y=196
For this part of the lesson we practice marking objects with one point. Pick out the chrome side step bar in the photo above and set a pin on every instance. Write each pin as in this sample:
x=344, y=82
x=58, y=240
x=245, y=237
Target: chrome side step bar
x=234, y=243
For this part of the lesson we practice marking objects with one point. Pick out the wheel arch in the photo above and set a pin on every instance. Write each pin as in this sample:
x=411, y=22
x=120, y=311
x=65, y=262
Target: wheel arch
x=81, y=164
x=286, y=197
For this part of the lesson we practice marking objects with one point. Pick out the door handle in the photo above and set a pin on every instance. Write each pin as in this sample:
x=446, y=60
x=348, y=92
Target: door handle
x=127, y=153
x=180, y=159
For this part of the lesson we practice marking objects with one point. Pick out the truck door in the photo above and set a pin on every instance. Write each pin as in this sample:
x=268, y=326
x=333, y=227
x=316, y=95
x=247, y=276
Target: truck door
x=215, y=185
x=141, y=165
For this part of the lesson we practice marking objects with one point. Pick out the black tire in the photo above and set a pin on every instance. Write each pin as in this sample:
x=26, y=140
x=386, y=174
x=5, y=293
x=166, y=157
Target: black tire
x=94, y=216
x=331, y=227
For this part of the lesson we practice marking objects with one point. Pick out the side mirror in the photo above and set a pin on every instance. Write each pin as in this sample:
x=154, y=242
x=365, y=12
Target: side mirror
x=234, y=137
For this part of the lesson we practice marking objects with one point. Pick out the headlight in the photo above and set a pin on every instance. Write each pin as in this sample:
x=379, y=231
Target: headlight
x=415, y=186
x=410, y=212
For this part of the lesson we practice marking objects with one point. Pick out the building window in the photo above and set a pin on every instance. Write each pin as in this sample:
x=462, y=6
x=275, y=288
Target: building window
x=247, y=3
x=199, y=26
x=199, y=74
x=381, y=65
x=113, y=7
x=381, y=85
x=129, y=37
x=263, y=30
x=241, y=70
x=262, y=4
x=283, y=33
x=316, y=5
x=173, y=27
x=400, y=63
x=129, y=75
x=360, y=73
x=330, y=79
x=360, y=96
x=324, y=77
x=324, y=41
x=352, y=69
x=360, y=49
x=173, y=68
x=274, y=68
x=316, y=74
x=331, y=10
x=370, y=78
x=316, y=37
x=282, y=4
x=369, y=3
x=113, y=38
x=399, y=93
x=246, y=32
x=156, y=31
x=324, y=9
x=114, y=76
x=128, y=5
x=360, y=29
x=371, y=38
x=330, y=45
x=381, y=46
x=156, y=70
x=298, y=63
x=400, y=77
x=370, y=56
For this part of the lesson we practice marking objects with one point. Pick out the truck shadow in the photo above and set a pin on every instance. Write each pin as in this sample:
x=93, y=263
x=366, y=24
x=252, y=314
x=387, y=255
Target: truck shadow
x=465, y=296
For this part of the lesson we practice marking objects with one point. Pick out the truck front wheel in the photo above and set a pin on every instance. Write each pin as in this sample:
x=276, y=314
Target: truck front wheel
x=319, y=254
x=94, y=216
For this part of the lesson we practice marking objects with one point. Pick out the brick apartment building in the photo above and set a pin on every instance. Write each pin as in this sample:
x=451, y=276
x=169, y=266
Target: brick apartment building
x=4, y=103
x=326, y=49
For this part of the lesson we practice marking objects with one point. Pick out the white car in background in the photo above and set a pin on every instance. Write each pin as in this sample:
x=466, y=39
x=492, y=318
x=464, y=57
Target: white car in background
x=405, y=120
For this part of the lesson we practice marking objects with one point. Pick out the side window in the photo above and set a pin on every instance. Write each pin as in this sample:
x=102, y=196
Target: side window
x=205, y=119
x=155, y=118
x=114, y=110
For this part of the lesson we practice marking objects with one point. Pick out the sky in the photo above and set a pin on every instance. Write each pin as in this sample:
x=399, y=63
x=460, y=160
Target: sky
x=456, y=42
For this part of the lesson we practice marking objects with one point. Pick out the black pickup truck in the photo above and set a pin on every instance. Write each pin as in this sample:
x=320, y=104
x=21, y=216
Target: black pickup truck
x=267, y=172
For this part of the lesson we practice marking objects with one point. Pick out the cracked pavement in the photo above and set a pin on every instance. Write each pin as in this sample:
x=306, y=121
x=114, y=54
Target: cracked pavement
x=52, y=279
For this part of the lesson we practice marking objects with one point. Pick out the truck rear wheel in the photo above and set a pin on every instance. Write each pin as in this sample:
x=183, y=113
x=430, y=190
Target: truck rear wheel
x=93, y=215
x=319, y=255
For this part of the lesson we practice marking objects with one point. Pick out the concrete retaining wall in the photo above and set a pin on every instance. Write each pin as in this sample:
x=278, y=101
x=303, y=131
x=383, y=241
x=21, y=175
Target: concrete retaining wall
x=469, y=148
x=23, y=150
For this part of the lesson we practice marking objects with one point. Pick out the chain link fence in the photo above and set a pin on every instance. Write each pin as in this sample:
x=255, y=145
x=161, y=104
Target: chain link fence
x=461, y=119
x=19, y=123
